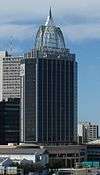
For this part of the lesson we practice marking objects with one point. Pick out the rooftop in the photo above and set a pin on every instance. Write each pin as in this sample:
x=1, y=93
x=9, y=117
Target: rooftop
x=49, y=36
x=21, y=149
x=94, y=142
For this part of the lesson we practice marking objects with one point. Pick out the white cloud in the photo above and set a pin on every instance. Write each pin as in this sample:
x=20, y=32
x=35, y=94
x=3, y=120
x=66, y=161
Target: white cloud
x=82, y=31
x=37, y=6
x=33, y=7
x=73, y=32
x=18, y=31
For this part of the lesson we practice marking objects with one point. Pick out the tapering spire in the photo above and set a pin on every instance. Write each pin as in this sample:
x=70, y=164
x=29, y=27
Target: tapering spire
x=50, y=13
x=49, y=21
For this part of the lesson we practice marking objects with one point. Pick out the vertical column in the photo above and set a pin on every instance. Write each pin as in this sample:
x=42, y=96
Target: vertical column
x=22, y=111
x=47, y=103
x=75, y=101
x=60, y=98
x=65, y=101
x=56, y=98
x=37, y=100
x=69, y=116
x=51, y=101
x=42, y=95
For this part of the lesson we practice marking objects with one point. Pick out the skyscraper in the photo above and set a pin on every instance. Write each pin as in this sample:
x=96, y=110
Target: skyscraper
x=49, y=89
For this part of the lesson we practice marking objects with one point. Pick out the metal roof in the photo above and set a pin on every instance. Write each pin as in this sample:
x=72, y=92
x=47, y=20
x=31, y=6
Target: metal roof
x=15, y=150
x=49, y=36
x=2, y=159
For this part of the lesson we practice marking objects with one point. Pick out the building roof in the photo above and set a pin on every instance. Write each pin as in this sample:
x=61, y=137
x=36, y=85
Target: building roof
x=21, y=150
x=2, y=159
x=49, y=36
x=94, y=142
x=61, y=149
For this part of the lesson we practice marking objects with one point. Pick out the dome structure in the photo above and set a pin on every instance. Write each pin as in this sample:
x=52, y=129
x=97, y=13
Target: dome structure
x=49, y=36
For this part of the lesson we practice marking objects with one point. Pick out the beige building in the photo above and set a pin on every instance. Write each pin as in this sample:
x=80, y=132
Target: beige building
x=9, y=76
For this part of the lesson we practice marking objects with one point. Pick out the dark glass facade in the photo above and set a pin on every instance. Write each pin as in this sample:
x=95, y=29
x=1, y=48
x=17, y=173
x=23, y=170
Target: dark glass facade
x=9, y=121
x=49, y=100
x=57, y=113
x=28, y=100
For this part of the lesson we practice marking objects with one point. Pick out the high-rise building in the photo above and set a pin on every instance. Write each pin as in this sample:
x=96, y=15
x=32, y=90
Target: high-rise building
x=87, y=131
x=9, y=76
x=49, y=89
x=9, y=121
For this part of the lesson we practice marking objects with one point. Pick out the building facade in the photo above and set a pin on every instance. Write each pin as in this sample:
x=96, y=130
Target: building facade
x=93, y=152
x=9, y=121
x=49, y=90
x=28, y=154
x=88, y=131
x=9, y=76
x=68, y=156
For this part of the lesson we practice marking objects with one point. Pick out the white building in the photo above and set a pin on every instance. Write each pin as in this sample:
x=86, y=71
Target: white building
x=87, y=131
x=27, y=153
x=92, y=132
x=9, y=76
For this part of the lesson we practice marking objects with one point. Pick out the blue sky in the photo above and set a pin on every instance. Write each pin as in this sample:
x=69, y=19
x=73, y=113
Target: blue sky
x=80, y=23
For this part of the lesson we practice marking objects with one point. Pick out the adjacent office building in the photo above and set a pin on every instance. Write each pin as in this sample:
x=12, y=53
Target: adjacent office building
x=49, y=89
x=87, y=132
x=66, y=156
x=92, y=131
x=9, y=76
x=9, y=121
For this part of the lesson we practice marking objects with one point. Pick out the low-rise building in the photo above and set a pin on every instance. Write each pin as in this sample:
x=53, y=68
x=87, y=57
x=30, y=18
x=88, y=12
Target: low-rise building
x=93, y=150
x=66, y=156
x=20, y=152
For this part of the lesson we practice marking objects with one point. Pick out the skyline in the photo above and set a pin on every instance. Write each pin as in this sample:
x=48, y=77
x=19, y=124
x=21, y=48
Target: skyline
x=79, y=22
